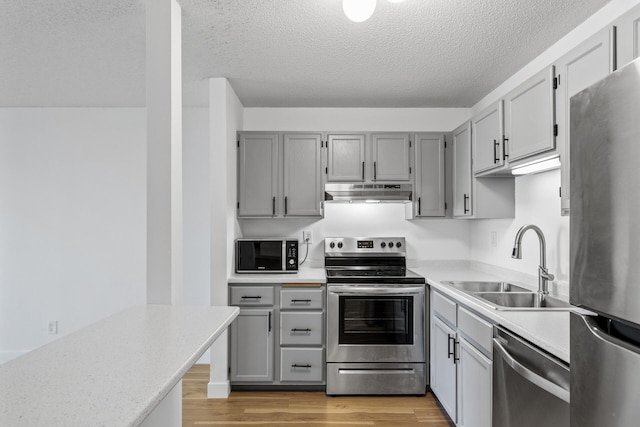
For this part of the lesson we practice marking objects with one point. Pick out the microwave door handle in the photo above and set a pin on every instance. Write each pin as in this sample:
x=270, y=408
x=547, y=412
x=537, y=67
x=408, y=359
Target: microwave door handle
x=529, y=375
x=359, y=290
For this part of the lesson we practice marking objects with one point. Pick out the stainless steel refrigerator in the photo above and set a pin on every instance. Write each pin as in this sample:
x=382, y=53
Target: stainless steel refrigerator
x=605, y=251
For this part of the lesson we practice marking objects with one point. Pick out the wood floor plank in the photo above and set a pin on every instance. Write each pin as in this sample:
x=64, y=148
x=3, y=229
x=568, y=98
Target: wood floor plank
x=311, y=408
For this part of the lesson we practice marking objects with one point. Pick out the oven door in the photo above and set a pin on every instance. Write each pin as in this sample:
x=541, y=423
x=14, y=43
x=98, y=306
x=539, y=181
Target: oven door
x=375, y=323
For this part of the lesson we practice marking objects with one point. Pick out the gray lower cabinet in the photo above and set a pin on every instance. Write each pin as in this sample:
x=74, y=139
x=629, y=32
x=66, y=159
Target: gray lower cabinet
x=461, y=362
x=252, y=346
x=252, y=335
x=278, y=338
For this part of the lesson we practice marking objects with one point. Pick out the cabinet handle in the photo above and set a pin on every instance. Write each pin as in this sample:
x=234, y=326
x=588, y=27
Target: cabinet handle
x=363, y=171
x=247, y=297
x=419, y=205
x=269, y=321
x=465, y=199
x=295, y=365
x=375, y=171
x=285, y=205
x=301, y=301
x=300, y=330
x=495, y=151
x=273, y=204
x=456, y=354
x=504, y=148
x=449, y=352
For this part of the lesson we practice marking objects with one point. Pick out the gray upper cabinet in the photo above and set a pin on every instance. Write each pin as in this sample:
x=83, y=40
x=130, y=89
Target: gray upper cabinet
x=429, y=189
x=628, y=37
x=346, y=159
x=529, y=117
x=462, y=179
x=391, y=157
x=487, y=139
x=580, y=68
x=302, y=174
x=257, y=174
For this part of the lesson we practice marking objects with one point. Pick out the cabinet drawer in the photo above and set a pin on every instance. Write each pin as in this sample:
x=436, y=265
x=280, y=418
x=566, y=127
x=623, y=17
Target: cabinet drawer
x=476, y=330
x=301, y=364
x=300, y=328
x=444, y=308
x=301, y=299
x=251, y=295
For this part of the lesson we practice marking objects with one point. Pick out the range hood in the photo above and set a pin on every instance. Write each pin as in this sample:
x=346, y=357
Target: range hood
x=368, y=193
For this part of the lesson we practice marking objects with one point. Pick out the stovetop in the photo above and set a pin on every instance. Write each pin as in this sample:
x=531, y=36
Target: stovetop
x=370, y=260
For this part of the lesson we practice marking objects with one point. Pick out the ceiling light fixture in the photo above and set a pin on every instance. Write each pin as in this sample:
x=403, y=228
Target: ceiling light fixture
x=358, y=10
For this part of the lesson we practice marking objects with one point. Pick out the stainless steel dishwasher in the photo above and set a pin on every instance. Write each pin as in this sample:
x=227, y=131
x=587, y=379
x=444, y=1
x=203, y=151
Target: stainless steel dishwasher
x=530, y=386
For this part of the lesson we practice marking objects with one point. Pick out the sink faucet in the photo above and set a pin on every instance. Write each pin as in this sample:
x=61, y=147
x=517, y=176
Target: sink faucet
x=543, y=274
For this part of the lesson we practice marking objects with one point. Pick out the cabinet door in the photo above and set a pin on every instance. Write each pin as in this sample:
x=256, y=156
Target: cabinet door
x=486, y=135
x=529, y=117
x=628, y=37
x=251, y=346
x=474, y=387
x=429, y=174
x=391, y=161
x=257, y=174
x=302, y=174
x=462, y=179
x=346, y=158
x=443, y=367
x=580, y=68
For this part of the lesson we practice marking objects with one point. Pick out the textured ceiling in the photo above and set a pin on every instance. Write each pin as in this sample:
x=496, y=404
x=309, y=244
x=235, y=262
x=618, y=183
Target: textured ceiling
x=280, y=53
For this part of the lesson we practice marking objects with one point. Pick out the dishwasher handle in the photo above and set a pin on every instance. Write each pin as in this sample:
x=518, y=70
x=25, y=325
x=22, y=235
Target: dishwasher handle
x=531, y=376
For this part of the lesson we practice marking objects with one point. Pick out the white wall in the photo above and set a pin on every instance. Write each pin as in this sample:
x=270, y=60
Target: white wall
x=197, y=207
x=354, y=119
x=72, y=219
x=537, y=202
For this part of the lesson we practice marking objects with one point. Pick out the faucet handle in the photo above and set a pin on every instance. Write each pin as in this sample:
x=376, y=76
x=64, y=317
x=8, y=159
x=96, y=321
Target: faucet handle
x=544, y=273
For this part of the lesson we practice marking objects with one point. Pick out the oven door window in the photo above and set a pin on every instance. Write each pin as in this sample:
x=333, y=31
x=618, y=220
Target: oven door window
x=371, y=320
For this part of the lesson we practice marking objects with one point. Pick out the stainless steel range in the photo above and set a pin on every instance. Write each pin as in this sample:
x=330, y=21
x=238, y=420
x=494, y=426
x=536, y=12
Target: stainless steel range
x=375, y=318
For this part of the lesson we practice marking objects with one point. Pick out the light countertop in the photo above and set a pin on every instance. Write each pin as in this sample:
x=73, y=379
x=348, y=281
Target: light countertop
x=548, y=330
x=304, y=275
x=111, y=373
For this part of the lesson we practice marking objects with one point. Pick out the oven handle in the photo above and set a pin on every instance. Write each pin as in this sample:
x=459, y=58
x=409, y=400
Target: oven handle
x=382, y=290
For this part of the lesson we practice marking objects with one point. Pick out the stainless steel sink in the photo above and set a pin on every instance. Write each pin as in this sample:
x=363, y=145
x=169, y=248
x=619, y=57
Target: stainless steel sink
x=476, y=286
x=523, y=301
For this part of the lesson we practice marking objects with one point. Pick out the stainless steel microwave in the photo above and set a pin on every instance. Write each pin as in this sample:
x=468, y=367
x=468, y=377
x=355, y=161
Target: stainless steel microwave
x=266, y=256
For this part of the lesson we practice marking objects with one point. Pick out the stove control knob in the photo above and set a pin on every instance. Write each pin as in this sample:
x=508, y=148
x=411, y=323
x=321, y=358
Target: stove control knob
x=390, y=244
x=340, y=245
x=332, y=245
x=383, y=245
x=399, y=244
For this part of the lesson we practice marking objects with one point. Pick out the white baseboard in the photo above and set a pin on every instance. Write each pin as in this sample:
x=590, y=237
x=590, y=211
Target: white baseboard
x=218, y=390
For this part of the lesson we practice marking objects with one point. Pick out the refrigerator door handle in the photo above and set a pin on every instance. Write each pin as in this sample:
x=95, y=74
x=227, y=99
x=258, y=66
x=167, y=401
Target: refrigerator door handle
x=531, y=376
x=597, y=331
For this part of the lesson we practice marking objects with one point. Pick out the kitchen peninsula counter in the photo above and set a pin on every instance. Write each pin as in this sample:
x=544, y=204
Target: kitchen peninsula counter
x=114, y=372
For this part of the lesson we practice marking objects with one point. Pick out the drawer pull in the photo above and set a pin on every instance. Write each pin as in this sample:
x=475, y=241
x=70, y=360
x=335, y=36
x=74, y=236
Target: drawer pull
x=300, y=301
x=251, y=297
x=295, y=365
x=294, y=330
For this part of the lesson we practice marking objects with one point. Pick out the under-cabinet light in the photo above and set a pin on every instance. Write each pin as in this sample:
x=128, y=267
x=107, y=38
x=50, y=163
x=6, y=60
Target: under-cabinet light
x=541, y=165
x=358, y=10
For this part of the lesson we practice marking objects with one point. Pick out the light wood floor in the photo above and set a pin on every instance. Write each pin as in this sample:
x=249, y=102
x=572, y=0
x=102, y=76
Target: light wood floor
x=269, y=408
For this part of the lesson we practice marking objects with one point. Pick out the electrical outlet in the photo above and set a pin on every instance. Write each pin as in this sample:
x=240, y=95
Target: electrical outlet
x=307, y=236
x=53, y=327
x=494, y=239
